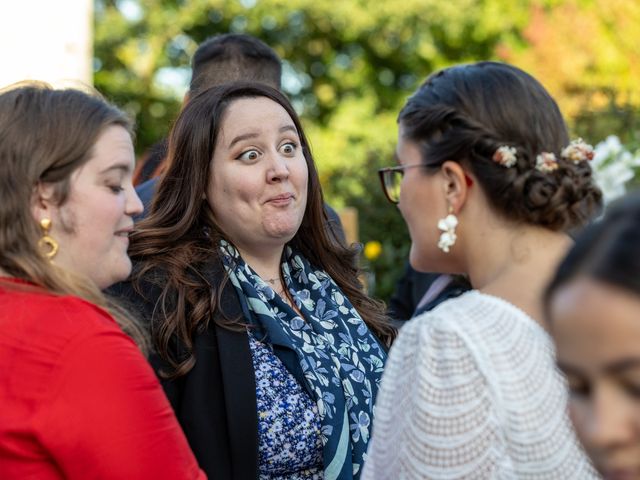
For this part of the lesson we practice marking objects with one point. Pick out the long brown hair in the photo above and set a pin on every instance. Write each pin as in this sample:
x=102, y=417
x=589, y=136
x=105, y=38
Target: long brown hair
x=45, y=136
x=180, y=236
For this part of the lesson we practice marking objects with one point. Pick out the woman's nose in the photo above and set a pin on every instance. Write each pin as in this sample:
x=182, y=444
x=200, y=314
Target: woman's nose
x=133, y=204
x=278, y=168
x=612, y=419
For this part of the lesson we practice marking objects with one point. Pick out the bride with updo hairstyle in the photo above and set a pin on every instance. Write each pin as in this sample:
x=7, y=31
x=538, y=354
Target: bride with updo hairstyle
x=489, y=184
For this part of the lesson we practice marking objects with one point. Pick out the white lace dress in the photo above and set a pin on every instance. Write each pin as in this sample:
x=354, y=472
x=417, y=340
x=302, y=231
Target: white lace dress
x=471, y=391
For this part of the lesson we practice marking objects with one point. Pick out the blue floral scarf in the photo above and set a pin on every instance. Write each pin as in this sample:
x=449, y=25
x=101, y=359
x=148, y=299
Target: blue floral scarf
x=341, y=360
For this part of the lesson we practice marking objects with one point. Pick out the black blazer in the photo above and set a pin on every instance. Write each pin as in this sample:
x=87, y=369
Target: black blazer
x=216, y=401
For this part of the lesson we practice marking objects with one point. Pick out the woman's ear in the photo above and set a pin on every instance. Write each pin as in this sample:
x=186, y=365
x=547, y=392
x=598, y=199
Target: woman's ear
x=457, y=183
x=42, y=201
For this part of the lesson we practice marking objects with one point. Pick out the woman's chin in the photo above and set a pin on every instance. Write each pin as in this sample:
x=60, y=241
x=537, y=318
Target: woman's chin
x=420, y=261
x=428, y=261
x=282, y=230
x=118, y=271
x=283, y=236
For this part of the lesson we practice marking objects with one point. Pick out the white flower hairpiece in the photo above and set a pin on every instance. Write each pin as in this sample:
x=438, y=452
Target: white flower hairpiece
x=578, y=151
x=505, y=156
x=546, y=162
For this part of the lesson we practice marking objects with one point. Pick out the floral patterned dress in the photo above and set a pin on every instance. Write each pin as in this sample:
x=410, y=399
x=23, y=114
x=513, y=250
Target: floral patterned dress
x=289, y=443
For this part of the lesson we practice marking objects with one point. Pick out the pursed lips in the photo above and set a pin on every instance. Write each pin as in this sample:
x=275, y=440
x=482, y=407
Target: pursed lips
x=281, y=199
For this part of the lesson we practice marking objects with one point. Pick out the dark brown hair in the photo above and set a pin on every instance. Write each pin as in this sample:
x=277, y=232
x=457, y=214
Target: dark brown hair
x=180, y=236
x=45, y=136
x=233, y=57
x=465, y=113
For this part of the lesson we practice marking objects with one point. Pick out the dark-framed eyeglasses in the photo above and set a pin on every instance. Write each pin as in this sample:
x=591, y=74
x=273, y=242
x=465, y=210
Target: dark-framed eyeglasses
x=391, y=179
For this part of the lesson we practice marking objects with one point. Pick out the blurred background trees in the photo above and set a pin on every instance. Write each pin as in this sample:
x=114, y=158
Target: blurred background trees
x=350, y=65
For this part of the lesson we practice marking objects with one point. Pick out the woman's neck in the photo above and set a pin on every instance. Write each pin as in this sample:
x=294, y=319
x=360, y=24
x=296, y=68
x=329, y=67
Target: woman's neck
x=265, y=263
x=516, y=265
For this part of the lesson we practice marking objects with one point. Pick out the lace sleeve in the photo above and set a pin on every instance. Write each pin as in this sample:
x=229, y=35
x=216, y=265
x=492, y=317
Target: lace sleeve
x=435, y=417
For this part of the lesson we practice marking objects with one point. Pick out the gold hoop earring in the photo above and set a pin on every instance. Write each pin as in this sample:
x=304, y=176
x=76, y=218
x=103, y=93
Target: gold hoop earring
x=47, y=245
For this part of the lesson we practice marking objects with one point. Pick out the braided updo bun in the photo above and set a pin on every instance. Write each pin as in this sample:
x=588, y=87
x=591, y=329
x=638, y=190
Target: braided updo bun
x=466, y=113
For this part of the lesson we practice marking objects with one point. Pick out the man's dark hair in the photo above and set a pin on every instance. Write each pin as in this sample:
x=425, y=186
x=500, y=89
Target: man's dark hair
x=231, y=57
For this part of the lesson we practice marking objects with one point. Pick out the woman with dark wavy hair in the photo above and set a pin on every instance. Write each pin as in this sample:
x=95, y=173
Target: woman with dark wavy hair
x=489, y=185
x=593, y=314
x=271, y=353
x=77, y=398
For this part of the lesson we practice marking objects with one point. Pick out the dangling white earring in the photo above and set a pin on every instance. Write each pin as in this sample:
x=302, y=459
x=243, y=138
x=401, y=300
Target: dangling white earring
x=448, y=226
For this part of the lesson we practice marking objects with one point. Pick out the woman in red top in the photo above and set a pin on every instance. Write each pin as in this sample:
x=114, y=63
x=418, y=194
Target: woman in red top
x=78, y=399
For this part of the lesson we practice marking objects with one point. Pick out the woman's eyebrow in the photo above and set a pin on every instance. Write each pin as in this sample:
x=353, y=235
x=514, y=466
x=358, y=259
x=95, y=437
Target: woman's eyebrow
x=624, y=364
x=247, y=136
x=568, y=369
x=125, y=167
x=244, y=136
x=286, y=128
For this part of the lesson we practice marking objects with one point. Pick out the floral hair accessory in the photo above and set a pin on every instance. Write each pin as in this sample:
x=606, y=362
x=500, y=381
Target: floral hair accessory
x=546, y=162
x=505, y=156
x=578, y=151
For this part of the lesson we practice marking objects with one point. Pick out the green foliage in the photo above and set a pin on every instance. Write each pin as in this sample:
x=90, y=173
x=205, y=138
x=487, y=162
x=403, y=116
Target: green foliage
x=618, y=116
x=351, y=64
x=334, y=49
